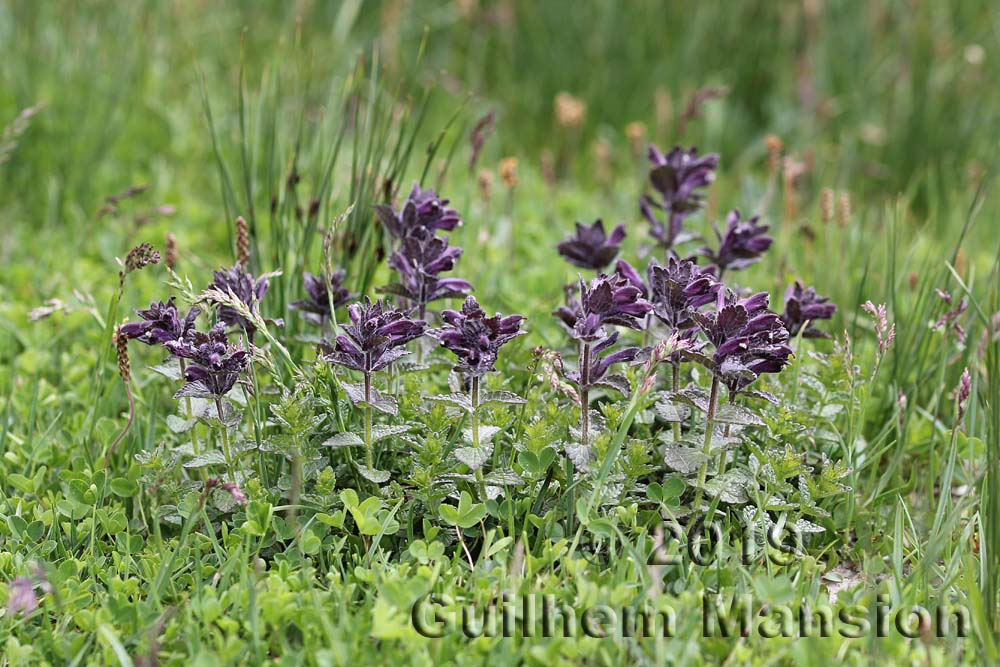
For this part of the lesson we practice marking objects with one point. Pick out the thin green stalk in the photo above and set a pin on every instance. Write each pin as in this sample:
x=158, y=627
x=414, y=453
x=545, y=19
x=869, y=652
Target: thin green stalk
x=225, y=442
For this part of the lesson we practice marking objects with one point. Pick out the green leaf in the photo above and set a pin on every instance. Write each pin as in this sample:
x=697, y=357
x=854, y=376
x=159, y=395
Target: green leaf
x=505, y=397
x=383, y=431
x=214, y=457
x=684, y=460
x=730, y=413
x=671, y=412
x=475, y=514
x=448, y=514
x=179, y=425
x=456, y=399
x=124, y=488
x=486, y=434
x=373, y=475
x=345, y=439
x=309, y=543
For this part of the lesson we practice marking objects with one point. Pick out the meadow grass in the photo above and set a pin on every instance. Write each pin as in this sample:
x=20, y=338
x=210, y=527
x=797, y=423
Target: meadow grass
x=295, y=117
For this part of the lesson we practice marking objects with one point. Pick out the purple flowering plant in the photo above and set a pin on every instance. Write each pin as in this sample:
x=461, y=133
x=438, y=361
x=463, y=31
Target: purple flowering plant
x=742, y=244
x=246, y=288
x=323, y=297
x=606, y=300
x=372, y=342
x=475, y=339
x=161, y=323
x=678, y=177
x=592, y=247
x=803, y=308
x=423, y=213
x=419, y=262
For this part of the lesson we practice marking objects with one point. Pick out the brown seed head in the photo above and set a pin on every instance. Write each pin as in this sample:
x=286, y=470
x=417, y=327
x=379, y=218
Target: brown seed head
x=242, y=242
x=121, y=351
x=570, y=111
x=844, y=210
x=508, y=172
x=826, y=205
x=485, y=181
x=140, y=257
x=636, y=133
x=170, y=251
x=774, y=147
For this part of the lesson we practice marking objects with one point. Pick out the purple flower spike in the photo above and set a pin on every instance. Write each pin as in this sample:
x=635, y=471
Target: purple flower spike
x=742, y=244
x=247, y=289
x=216, y=364
x=677, y=177
x=475, y=338
x=591, y=247
x=372, y=341
x=803, y=305
x=606, y=300
x=422, y=214
x=161, y=324
x=679, y=288
x=419, y=262
x=315, y=308
x=749, y=339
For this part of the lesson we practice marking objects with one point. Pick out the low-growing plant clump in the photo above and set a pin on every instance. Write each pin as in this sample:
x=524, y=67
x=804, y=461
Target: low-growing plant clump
x=534, y=407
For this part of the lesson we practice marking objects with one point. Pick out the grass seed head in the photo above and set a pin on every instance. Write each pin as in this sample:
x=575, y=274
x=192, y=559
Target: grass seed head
x=636, y=134
x=170, y=251
x=571, y=112
x=242, y=242
x=844, y=210
x=508, y=172
x=121, y=351
x=826, y=205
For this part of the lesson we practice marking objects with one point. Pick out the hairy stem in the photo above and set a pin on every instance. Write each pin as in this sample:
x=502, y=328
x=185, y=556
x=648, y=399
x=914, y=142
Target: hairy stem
x=295, y=493
x=369, y=459
x=676, y=367
x=474, y=397
x=709, y=428
x=585, y=396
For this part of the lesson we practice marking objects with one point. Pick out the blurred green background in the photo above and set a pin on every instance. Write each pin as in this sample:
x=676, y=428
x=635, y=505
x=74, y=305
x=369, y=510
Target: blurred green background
x=892, y=106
